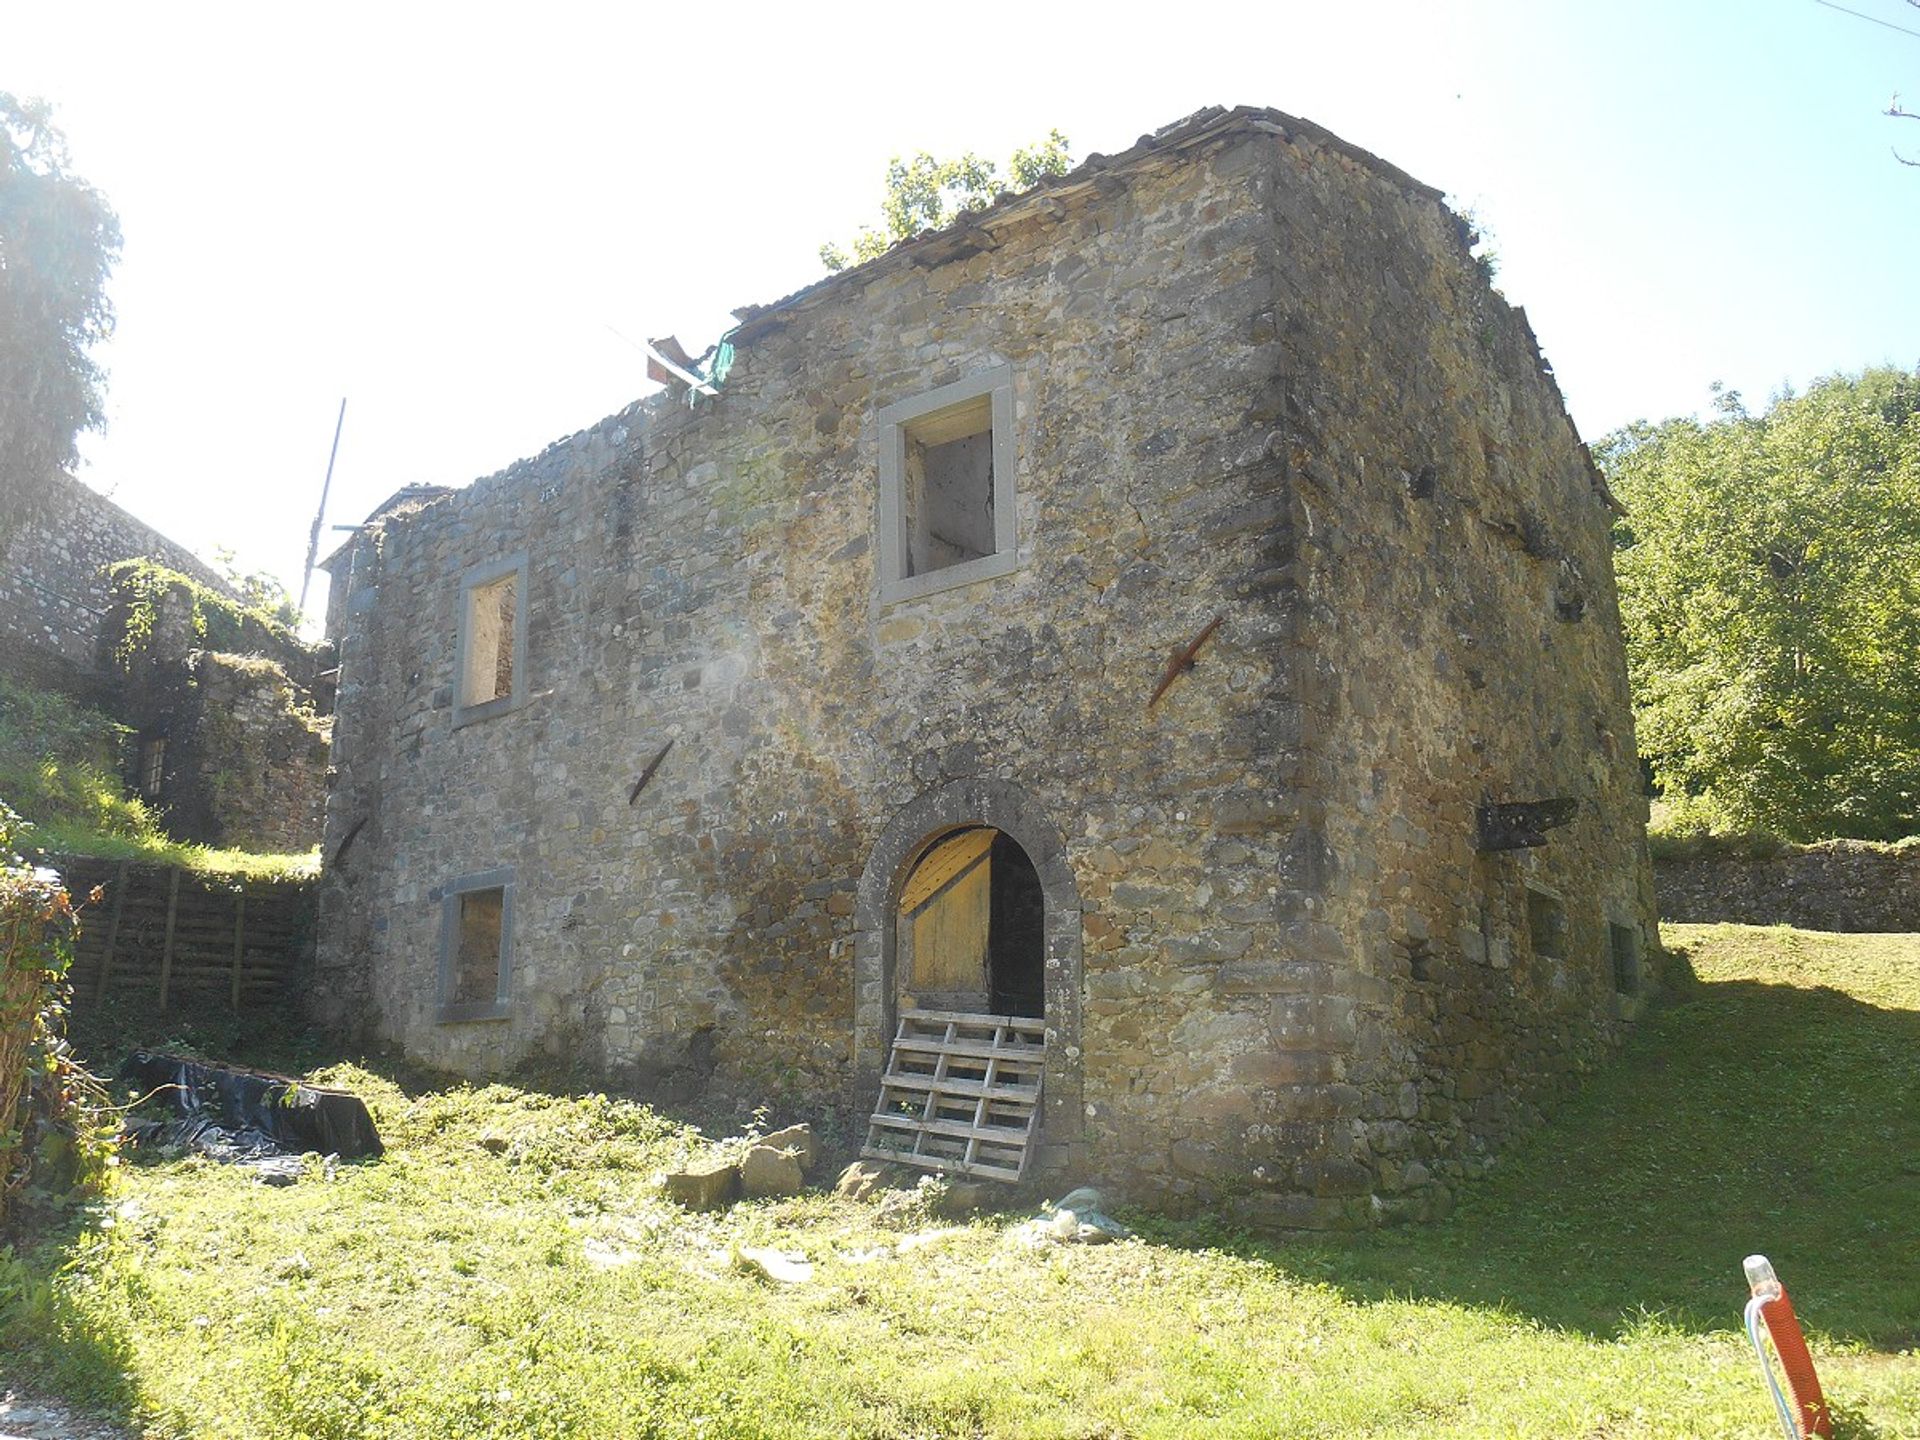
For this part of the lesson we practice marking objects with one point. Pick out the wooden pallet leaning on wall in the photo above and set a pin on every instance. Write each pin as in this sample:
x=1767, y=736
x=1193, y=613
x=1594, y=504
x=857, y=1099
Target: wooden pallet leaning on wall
x=173, y=937
x=961, y=1094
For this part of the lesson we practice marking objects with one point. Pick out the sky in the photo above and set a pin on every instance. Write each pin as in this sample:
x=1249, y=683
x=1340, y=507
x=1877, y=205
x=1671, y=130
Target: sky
x=451, y=215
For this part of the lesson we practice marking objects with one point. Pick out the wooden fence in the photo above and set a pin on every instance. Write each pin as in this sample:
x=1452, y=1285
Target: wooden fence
x=179, y=936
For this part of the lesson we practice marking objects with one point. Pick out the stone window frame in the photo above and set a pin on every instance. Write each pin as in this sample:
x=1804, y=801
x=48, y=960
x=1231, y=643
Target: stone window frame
x=475, y=578
x=501, y=1006
x=896, y=421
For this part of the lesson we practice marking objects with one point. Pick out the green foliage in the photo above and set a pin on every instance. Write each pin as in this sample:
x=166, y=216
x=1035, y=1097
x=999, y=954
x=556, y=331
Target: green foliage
x=259, y=590
x=510, y=1269
x=58, y=243
x=928, y=194
x=60, y=767
x=53, y=1145
x=216, y=623
x=1770, y=589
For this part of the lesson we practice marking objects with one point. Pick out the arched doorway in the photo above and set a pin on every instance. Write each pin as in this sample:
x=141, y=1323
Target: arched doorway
x=970, y=926
x=1037, y=891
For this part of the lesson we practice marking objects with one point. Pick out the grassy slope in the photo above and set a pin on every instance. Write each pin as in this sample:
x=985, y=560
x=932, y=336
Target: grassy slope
x=60, y=765
x=508, y=1271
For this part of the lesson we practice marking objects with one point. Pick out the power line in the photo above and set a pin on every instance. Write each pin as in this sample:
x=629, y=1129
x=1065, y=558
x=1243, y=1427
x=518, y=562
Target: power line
x=1870, y=19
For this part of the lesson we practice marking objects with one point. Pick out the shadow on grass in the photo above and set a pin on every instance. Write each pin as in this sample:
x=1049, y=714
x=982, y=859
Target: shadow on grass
x=1750, y=1118
x=51, y=1339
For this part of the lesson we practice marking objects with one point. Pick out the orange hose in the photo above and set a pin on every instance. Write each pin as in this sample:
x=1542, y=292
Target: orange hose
x=1791, y=1346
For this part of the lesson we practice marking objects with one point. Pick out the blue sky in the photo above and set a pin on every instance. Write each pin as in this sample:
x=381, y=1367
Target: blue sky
x=443, y=212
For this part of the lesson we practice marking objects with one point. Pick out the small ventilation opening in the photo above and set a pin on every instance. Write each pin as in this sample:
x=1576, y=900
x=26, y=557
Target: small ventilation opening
x=1625, y=944
x=1547, y=925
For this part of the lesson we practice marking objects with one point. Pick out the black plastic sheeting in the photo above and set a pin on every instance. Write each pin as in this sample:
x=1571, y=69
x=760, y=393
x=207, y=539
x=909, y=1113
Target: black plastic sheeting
x=249, y=1118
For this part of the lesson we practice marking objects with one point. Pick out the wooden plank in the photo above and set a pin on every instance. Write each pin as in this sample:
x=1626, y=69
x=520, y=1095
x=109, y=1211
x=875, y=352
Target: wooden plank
x=1000, y=1090
x=1020, y=1055
x=1018, y=1024
x=239, y=943
x=977, y=1168
x=945, y=862
x=1011, y=1135
x=113, y=930
x=166, y=948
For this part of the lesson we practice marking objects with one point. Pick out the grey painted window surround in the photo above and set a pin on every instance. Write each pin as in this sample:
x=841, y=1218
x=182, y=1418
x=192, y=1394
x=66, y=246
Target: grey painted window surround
x=500, y=1007
x=897, y=421
x=474, y=579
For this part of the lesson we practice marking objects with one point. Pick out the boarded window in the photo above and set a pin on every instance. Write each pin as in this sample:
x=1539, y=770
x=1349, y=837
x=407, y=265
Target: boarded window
x=476, y=940
x=476, y=963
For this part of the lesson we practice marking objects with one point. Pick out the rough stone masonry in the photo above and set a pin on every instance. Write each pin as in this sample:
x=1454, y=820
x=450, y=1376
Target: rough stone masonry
x=641, y=742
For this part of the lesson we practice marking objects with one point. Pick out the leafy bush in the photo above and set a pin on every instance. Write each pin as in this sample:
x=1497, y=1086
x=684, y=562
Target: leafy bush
x=52, y=1145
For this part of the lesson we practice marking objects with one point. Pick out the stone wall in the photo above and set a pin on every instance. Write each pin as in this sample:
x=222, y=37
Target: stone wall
x=54, y=592
x=1837, y=885
x=246, y=750
x=1235, y=353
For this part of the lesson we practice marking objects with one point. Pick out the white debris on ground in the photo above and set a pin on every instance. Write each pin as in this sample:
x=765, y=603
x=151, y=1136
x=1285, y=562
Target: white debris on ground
x=28, y=1417
x=1077, y=1218
x=776, y=1265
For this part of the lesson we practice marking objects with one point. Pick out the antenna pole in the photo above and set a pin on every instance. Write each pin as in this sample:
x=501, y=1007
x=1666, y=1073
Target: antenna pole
x=313, y=538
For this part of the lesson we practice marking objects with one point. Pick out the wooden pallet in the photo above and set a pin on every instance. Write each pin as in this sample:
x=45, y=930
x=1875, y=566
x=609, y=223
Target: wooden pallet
x=961, y=1094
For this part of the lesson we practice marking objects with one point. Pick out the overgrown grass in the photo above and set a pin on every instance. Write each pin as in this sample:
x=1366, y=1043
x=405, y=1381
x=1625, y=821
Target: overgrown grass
x=60, y=768
x=509, y=1270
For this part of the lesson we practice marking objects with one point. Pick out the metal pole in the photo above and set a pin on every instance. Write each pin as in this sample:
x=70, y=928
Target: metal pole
x=313, y=539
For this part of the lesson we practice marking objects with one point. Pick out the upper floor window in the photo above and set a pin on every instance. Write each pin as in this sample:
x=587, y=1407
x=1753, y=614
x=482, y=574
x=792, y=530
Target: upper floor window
x=490, y=662
x=946, y=486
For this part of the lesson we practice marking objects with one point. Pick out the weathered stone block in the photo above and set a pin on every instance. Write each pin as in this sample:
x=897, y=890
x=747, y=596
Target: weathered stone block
x=707, y=1186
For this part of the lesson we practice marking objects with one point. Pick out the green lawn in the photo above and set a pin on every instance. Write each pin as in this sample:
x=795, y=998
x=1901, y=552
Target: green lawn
x=508, y=1270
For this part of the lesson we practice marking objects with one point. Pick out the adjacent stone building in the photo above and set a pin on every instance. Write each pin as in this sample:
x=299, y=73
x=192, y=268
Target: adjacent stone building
x=704, y=742
x=224, y=710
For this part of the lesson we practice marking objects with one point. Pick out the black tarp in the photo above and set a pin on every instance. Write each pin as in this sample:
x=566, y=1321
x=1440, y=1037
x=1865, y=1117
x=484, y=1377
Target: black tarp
x=248, y=1103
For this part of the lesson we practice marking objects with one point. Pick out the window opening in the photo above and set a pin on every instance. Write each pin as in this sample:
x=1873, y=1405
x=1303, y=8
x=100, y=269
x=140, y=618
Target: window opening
x=476, y=933
x=1547, y=925
x=1625, y=945
x=949, y=488
x=153, y=766
x=490, y=629
x=946, y=486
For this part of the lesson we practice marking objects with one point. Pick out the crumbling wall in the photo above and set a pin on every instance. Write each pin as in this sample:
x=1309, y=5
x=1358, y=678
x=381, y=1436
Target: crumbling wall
x=1232, y=366
x=54, y=591
x=245, y=756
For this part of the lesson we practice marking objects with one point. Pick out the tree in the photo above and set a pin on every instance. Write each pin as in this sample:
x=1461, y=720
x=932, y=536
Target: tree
x=258, y=589
x=58, y=243
x=928, y=194
x=1770, y=588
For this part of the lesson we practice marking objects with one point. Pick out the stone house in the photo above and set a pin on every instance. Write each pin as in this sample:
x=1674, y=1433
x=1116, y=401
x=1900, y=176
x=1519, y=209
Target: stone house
x=707, y=742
